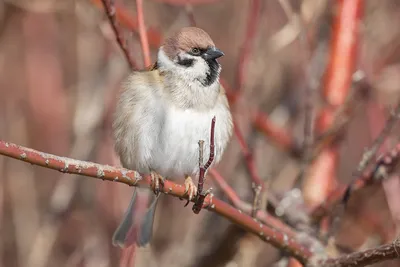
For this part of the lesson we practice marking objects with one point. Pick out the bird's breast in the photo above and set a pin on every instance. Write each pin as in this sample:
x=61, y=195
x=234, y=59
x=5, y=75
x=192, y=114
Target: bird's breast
x=177, y=151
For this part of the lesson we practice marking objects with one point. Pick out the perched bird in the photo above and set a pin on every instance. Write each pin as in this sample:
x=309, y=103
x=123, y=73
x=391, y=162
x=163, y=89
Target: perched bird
x=160, y=117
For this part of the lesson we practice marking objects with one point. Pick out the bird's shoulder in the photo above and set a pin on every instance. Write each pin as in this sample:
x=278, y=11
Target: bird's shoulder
x=222, y=96
x=146, y=78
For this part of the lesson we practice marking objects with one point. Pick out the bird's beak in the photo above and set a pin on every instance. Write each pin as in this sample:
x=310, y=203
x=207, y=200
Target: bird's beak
x=212, y=53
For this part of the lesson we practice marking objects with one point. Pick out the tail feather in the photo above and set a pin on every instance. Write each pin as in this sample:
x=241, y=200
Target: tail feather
x=119, y=237
x=137, y=223
x=146, y=228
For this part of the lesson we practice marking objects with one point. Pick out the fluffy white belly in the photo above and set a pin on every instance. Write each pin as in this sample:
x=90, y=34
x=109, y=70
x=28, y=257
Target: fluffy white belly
x=176, y=152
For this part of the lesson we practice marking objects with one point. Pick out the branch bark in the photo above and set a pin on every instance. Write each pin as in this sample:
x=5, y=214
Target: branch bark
x=366, y=257
x=67, y=165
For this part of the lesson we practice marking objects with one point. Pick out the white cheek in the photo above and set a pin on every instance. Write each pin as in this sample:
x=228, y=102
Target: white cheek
x=199, y=69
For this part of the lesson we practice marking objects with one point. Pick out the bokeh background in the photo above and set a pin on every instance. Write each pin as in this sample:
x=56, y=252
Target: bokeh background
x=60, y=71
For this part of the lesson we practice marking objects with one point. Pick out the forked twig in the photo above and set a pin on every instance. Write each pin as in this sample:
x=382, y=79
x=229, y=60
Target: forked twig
x=203, y=169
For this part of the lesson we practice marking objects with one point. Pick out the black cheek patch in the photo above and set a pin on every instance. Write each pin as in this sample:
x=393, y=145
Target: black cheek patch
x=185, y=62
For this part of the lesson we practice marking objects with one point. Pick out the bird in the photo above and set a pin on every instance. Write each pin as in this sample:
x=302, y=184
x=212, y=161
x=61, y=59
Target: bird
x=161, y=115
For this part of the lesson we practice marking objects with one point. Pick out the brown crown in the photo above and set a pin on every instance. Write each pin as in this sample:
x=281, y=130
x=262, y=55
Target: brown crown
x=186, y=39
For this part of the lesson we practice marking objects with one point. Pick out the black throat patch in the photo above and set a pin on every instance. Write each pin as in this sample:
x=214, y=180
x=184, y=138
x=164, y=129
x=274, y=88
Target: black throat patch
x=212, y=75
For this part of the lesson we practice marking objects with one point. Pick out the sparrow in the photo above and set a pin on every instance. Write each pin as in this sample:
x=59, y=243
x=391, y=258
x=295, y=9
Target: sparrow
x=161, y=115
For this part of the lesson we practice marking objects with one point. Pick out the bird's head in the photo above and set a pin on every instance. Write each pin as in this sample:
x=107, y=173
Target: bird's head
x=191, y=54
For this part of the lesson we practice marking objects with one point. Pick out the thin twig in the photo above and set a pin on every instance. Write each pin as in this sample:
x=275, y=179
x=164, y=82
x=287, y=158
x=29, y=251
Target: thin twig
x=246, y=48
x=256, y=200
x=110, y=12
x=383, y=167
x=129, y=177
x=364, y=258
x=369, y=154
x=257, y=185
x=203, y=169
x=248, y=156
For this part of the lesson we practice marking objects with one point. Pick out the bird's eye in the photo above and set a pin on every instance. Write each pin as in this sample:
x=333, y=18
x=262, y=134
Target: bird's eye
x=195, y=51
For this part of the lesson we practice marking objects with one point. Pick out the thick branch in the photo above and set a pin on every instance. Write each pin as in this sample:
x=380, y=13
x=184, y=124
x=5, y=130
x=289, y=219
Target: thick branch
x=105, y=172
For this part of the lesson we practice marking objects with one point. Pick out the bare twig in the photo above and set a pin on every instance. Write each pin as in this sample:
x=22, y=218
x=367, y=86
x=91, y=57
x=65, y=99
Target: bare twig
x=256, y=200
x=203, y=169
x=382, y=168
x=243, y=206
x=246, y=48
x=369, y=154
x=366, y=257
x=110, y=11
x=248, y=156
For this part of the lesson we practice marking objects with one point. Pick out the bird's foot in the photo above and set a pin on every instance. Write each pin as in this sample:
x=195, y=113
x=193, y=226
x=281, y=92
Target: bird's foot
x=190, y=188
x=157, y=182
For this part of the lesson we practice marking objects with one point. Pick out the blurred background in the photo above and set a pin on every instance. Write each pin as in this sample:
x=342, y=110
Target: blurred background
x=60, y=71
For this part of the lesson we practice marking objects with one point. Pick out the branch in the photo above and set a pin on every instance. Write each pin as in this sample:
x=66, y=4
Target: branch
x=248, y=156
x=369, y=154
x=110, y=12
x=344, y=52
x=245, y=207
x=203, y=169
x=130, y=22
x=382, y=168
x=336, y=89
x=278, y=135
x=246, y=48
x=366, y=257
x=66, y=165
x=143, y=34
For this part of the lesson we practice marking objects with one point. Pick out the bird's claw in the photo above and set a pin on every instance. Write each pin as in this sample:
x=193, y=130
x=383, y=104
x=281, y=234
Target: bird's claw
x=156, y=181
x=190, y=188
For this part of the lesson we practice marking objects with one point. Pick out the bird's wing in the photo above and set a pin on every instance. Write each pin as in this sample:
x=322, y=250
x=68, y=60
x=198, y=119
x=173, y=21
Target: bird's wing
x=137, y=119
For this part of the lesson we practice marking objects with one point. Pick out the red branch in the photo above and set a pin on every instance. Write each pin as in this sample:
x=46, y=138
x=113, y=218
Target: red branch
x=143, y=35
x=336, y=88
x=344, y=52
x=110, y=11
x=66, y=165
x=248, y=156
x=245, y=50
x=203, y=168
x=130, y=22
x=278, y=135
x=261, y=215
x=382, y=168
